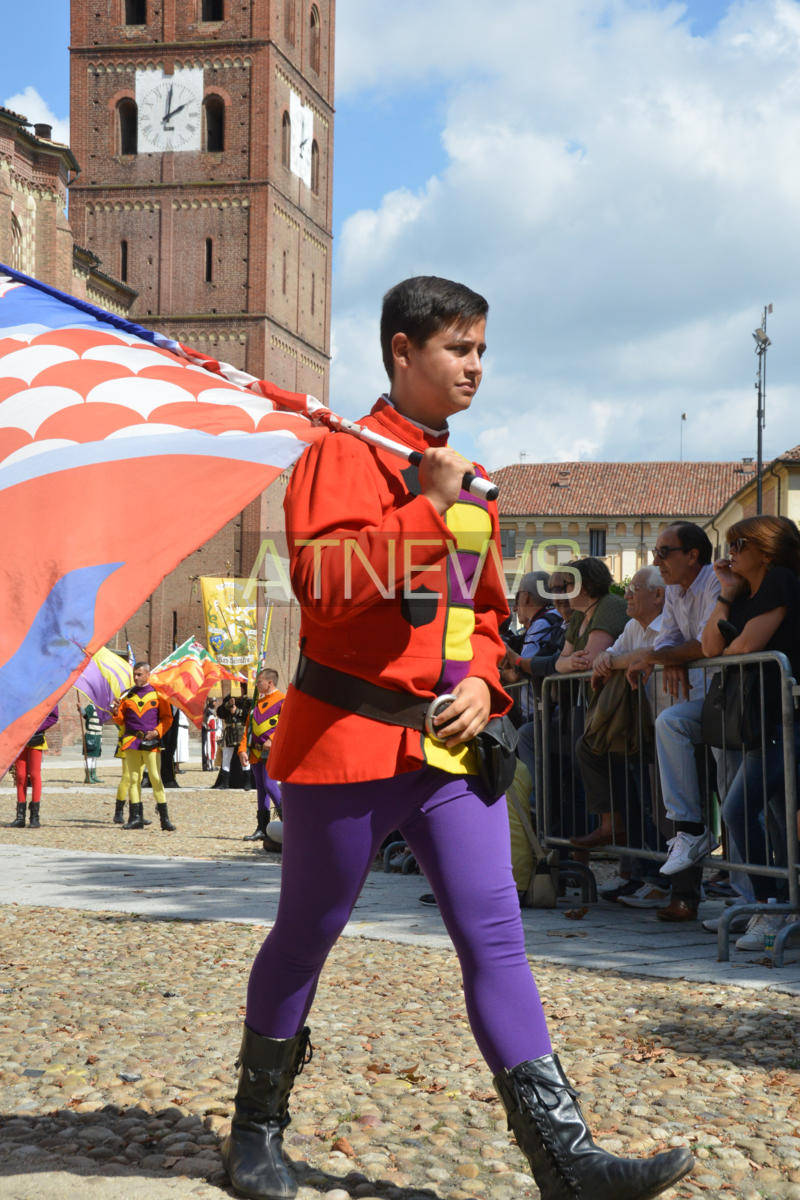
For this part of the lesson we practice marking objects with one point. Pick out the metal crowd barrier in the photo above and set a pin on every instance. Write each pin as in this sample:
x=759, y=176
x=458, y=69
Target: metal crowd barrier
x=635, y=788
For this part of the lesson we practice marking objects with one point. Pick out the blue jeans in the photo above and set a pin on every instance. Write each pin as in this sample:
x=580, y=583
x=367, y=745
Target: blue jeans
x=678, y=731
x=754, y=802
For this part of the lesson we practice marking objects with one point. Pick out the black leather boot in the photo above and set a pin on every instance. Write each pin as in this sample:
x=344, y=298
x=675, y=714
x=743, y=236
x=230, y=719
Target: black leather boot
x=119, y=812
x=19, y=821
x=546, y=1120
x=223, y=780
x=253, y=1152
x=166, y=824
x=262, y=816
x=135, y=817
x=33, y=815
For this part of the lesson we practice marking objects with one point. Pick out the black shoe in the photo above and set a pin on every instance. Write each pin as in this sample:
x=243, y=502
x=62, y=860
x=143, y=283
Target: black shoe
x=428, y=898
x=119, y=812
x=550, y=1129
x=33, y=815
x=253, y=1152
x=19, y=820
x=166, y=824
x=223, y=780
x=135, y=817
x=262, y=817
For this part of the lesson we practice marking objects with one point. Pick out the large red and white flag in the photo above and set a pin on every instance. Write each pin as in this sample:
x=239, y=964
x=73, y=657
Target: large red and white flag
x=121, y=452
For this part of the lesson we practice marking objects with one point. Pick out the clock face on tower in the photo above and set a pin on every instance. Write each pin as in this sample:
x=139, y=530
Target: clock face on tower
x=170, y=110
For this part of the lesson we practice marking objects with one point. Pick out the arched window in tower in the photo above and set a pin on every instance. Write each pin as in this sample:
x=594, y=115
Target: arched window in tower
x=212, y=10
x=289, y=21
x=285, y=272
x=315, y=167
x=123, y=261
x=127, y=136
x=214, y=123
x=16, y=243
x=286, y=139
x=209, y=261
x=314, y=38
x=135, y=12
x=313, y=292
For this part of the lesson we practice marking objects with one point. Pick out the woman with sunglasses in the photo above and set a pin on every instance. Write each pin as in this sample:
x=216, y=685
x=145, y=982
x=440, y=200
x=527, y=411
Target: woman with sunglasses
x=759, y=600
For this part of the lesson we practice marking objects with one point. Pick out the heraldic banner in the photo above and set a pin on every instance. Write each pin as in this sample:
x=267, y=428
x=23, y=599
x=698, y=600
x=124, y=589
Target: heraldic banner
x=231, y=622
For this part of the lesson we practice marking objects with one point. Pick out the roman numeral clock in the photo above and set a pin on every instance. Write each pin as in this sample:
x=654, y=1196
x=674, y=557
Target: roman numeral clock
x=170, y=110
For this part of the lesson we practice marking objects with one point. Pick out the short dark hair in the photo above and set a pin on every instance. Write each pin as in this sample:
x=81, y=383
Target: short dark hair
x=273, y=674
x=421, y=306
x=595, y=576
x=692, y=537
x=142, y=663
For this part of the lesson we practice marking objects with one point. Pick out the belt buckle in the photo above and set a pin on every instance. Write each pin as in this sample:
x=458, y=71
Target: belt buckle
x=437, y=705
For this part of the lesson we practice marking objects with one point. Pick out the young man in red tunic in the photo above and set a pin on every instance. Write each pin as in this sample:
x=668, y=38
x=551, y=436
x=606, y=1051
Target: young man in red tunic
x=401, y=595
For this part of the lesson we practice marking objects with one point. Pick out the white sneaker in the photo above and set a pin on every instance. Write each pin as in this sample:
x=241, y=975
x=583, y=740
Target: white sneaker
x=686, y=850
x=612, y=885
x=649, y=895
x=759, y=925
x=737, y=925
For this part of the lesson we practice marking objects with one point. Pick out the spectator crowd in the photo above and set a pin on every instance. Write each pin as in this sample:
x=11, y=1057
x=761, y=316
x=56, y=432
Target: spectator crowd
x=638, y=746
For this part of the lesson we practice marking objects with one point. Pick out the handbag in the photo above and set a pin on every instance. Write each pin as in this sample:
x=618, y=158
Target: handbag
x=542, y=889
x=495, y=753
x=612, y=719
x=736, y=708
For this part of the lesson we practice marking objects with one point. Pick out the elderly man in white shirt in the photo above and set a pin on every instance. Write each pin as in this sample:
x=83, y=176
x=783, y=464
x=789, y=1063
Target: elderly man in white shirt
x=683, y=553
x=605, y=776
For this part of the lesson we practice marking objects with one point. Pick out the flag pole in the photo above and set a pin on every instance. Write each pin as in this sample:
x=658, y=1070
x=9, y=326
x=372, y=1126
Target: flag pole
x=306, y=405
x=319, y=414
x=265, y=636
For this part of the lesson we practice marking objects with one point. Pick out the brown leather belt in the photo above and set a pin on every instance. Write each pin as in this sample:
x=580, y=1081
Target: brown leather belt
x=358, y=696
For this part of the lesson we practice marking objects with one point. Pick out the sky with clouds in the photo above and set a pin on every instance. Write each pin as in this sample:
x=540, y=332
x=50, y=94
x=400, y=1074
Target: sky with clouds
x=620, y=178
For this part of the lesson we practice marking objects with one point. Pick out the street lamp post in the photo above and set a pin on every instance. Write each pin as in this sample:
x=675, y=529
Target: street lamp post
x=762, y=345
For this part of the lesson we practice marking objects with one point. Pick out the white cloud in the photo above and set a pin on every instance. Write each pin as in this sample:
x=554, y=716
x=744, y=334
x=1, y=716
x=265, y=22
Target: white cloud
x=34, y=108
x=625, y=195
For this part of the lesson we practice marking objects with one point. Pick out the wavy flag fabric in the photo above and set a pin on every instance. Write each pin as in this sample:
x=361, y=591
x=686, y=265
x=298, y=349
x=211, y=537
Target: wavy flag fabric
x=186, y=676
x=104, y=680
x=121, y=452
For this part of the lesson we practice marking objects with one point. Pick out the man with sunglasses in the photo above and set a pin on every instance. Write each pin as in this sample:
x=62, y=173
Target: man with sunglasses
x=683, y=555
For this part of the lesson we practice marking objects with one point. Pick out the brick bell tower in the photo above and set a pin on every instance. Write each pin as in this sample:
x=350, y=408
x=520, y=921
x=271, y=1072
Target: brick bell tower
x=204, y=133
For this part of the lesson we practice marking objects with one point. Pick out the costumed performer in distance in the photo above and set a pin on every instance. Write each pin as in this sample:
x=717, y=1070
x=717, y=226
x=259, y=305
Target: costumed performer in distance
x=353, y=513
x=254, y=751
x=144, y=717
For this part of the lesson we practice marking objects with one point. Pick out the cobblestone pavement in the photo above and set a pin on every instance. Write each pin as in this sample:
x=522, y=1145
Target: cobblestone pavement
x=118, y=1035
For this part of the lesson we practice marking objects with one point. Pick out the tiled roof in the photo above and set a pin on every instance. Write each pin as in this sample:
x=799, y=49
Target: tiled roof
x=792, y=455
x=618, y=489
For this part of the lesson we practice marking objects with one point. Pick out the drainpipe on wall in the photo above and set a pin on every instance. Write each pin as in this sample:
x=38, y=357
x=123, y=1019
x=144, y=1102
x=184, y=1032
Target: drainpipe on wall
x=777, y=478
x=712, y=523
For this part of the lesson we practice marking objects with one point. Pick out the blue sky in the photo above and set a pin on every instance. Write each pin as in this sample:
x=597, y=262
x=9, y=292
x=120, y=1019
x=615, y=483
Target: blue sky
x=597, y=168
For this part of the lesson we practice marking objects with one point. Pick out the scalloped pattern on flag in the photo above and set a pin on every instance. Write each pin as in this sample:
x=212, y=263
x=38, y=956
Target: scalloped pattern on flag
x=121, y=452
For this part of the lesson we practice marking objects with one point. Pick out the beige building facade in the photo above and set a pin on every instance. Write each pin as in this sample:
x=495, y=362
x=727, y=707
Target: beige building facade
x=780, y=497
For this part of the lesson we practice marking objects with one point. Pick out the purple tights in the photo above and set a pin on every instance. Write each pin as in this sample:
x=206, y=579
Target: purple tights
x=267, y=790
x=331, y=834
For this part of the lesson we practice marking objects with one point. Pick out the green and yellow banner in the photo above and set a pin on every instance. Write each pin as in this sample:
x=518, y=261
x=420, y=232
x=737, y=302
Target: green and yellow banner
x=231, y=622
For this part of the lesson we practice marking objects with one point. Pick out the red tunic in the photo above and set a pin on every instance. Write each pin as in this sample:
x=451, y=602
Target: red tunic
x=390, y=592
